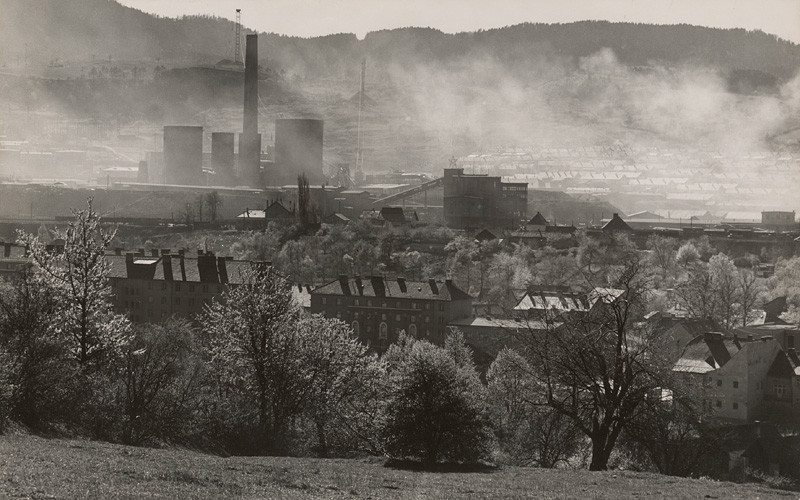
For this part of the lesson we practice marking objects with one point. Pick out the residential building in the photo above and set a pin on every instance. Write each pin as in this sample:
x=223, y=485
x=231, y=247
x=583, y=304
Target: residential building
x=378, y=308
x=553, y=302
x=731, y=373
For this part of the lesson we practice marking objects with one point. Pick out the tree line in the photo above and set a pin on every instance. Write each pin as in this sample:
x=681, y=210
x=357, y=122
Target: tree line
x=257, y=375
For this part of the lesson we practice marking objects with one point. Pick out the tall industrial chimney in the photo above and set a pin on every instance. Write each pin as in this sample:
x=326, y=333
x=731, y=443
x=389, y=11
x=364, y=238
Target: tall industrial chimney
x=250, y=142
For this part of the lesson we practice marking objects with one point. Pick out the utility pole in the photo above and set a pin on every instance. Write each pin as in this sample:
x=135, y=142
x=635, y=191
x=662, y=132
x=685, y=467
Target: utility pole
x=237, y=53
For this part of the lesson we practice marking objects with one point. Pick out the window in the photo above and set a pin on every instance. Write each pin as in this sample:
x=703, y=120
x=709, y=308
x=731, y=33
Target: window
x=735, y=384
x=355, y=302
x=412, y=330
x=383, y=332
x=163, y=285
x=191, y=302
x=441, y=307
x=177, y=287
x=719, y=404
x=719, y=383
x=177, y=301
x=779, y=390
x=427, y=307
x=355, y=328
x=398, y=304
x=150, y=299
x=427, y=319
x=790, y=341
x=191, y=288
x=735, y=406
x=369, y=303
x=383, y=317
x=163, y=300
x=205, y=288
x=397, y=317
x=338, y=301
x=324, y=301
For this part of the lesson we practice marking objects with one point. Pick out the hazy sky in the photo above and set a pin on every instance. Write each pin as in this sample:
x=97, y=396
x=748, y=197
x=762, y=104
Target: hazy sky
x=321, y=17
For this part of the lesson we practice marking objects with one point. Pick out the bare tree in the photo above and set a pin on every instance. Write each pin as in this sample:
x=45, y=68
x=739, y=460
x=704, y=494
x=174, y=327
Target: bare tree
x=596, y=368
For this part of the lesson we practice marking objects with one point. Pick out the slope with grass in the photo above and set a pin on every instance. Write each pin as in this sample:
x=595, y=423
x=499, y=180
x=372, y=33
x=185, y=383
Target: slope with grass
x=33, y=467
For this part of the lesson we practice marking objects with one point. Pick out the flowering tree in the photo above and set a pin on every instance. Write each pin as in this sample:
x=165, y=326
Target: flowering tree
x=78, y=275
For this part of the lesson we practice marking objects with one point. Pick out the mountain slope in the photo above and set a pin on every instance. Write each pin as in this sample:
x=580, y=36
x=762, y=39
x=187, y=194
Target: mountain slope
x=81, y=29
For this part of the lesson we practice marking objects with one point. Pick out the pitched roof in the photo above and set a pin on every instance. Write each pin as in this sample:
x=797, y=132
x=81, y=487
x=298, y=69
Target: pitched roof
x=378, y=286
x=233, y=268
x=485, y=235
x=705, y=353
x=538, y=220
x=616, y=224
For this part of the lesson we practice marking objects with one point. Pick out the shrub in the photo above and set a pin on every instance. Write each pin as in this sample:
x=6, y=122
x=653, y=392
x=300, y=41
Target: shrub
x=435, y=410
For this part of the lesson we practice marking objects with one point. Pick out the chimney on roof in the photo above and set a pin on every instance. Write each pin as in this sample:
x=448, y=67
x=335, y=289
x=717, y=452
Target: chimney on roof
x=713, y=336
x=200, y=252
x=434, y=286
x=401, y=282
x=207, y=267
x=140, y=253
x=378, y=286
x=154, y=252
x=117, y=250
x=222, y=269
x=181, y=252
x=167, y=263
x=344, y=284
x=182, y=264
x=129, y=272
x=766, y=338
x=165, y=251
x=448, y=282
x=7, y=250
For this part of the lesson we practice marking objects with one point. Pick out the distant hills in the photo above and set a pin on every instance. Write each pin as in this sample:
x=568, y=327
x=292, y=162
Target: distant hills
x=86, y=29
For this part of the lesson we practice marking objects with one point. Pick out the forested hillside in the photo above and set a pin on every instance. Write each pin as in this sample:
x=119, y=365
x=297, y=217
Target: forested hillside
x=58, y=29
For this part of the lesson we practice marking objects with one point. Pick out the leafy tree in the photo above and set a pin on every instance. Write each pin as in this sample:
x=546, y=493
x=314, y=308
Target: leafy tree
x=527, y=429
x=78, y=275
x=434, y=409
x=159, y=382
x=343, y=377
x=256, y=344
x=687, y=254
x=35, y=368
x=670, y=428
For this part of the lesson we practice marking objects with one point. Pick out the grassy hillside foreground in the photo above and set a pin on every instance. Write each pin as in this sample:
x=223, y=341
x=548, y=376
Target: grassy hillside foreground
x=32, y=467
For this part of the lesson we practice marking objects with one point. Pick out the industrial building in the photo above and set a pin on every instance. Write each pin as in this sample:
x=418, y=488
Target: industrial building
x=298, y=149
x=250, y=139
x=473, y=201
x=183, y=155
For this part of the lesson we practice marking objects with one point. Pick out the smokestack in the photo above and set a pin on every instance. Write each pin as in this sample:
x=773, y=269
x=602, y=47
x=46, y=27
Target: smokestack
x=250, y=141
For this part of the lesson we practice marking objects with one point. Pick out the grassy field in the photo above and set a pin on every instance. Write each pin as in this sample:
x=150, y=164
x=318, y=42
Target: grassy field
x=32, y=467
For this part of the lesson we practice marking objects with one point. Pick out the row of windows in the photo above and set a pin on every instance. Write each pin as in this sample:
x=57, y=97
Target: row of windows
x=384, y=304
x=735, y=383
x=135, y=304
x=383, y=330
x=177, y=285
x=718, y=404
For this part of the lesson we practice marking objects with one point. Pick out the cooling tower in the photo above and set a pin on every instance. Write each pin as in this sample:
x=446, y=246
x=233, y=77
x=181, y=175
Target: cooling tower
x=298, y=148
x=183, y=155
x=222, y=157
